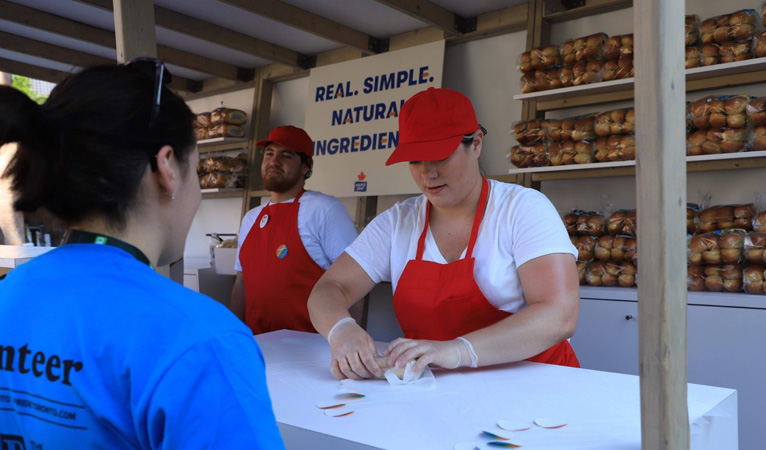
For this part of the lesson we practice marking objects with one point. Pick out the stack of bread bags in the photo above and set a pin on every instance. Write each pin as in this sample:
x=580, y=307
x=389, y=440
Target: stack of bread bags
x=718, y=124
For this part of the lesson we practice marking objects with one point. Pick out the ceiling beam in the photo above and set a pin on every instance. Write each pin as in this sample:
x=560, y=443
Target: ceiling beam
x=44, y=21
x=428, y=12
x=206, y=31
x=32, y=71
x=68, y=56
x=306, y=21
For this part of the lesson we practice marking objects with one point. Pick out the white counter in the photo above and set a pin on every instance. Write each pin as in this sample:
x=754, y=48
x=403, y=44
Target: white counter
x=12, y=256
x=602, y=409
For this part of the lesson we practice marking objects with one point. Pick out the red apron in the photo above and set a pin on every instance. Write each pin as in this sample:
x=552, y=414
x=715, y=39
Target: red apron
x=278, y=272
x=442, y=301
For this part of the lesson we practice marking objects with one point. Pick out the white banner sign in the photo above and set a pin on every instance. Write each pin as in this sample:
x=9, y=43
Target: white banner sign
x=353, y=118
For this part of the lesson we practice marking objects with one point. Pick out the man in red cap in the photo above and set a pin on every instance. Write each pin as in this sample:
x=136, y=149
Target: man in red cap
x=287, y=244
x=483, y=272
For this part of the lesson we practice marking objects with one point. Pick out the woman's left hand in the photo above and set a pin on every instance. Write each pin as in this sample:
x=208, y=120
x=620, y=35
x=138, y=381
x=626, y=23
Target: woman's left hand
x=448, y=354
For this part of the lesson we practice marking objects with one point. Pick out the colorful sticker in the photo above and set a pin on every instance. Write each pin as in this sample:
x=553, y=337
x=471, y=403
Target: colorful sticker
x=281, y=251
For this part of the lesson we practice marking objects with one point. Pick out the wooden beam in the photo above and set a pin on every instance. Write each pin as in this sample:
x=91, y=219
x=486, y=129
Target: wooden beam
x=41, y=20
x=64, y=55
x=31, y=71
x=134, y=29
x=428, y=12
x=305, y=21
x=200, y=29
x=260, y=125
x=661, y=202
x=591, y=8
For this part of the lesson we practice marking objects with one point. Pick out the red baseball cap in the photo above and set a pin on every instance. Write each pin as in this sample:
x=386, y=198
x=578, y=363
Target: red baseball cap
x=431, y=125
x=291, y=138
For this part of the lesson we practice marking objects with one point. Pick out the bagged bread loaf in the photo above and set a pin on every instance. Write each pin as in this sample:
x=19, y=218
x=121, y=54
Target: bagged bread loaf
x=615, y=248
x=717, y=218
x=583, y=223
x=611, y=273
x=759, y=45
x=619, y=69
x=525, y=62
x=723, y=277
x=710, y=54
x=753, y=278
x=201, y=133
x=619, y=46
x=585, y=246
x=622, y=222
x=754, y=246
x=756, y=112
x=228, y=116
x=587, y=72
x=582, y=270
x=735, y=51
x=533, y=155
x=695, y=278
x=693, y=57
x=528, y=132
x=226, y=130
x=203, y=120
x=221, y=180
x=692, y=223
x=759, y=222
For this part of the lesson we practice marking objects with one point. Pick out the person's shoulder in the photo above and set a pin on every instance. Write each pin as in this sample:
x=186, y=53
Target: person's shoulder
x=319, y=199
x=253, y=213
x=508, y=192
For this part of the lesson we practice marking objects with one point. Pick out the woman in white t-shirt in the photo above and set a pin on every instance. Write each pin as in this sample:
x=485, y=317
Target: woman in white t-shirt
x=483, y=272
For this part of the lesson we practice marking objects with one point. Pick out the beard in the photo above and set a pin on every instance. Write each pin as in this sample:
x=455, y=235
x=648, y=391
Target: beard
x=279, y=181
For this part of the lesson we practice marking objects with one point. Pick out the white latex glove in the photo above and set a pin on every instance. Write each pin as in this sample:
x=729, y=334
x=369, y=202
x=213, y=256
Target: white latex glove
x=353, y=352
x=448, y=354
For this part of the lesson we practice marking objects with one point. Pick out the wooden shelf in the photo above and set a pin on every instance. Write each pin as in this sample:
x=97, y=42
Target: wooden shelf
x=724, y=161
x=260, y=193
x=222, y=193
x=221, y=144
x=699, y=78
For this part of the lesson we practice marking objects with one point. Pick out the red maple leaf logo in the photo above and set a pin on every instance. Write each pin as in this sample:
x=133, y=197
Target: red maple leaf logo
x=361, y=176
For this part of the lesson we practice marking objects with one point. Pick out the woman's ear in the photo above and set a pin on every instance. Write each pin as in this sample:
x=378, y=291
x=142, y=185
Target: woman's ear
x=476, y=146
x=166, y=177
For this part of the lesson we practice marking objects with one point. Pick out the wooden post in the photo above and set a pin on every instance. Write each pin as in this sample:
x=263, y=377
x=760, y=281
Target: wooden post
x=661, y=191
x=134, y=29
x=260, y=125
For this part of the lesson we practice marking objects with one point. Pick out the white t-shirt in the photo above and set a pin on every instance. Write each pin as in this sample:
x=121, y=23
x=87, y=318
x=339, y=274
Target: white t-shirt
x=519, y=224
x=324, y=225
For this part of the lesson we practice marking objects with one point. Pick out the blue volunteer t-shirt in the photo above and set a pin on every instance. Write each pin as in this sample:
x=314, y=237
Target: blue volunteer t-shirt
x=99, y=351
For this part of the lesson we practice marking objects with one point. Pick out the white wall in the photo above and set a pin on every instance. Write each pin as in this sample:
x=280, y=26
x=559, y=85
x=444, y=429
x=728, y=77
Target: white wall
x=220, y=215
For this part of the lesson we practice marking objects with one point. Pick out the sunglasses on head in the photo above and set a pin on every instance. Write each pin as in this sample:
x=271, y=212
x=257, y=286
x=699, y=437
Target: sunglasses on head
x=156, y=68
x=468, y=138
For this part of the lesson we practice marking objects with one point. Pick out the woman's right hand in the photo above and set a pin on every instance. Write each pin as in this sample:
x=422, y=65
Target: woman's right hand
x=353, y=353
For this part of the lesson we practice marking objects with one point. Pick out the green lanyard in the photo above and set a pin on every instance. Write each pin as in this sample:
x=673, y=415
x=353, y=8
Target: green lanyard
x=84, y=237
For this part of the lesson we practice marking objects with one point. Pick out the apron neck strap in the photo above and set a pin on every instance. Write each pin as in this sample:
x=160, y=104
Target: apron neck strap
x=476, y=222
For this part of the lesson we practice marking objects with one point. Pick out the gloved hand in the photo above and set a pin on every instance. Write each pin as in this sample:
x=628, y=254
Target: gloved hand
x=448, y=354
x=353, y=352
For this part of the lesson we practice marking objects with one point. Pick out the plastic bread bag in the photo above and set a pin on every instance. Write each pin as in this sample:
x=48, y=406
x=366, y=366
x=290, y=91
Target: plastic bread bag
x=622, y=222
x=704, y=249
x=615, y=122
x=616, y=148
x=619, y=47
x=743, y=216
x=736, y=51
x=568, y=152
x=551, y=129
x=691, y=29
x=582, y=270
x=601, y=149
x=230, y=165
x=611, y=273
x=220, y=180
x=590, y=224
x=524, y=62
x=201, y=133
x=721, y=217
x=570, y=222
x=593, y=47
x=753, y=278
x=228, y=116
x=523, y=156
x=587, y=72
x=695, y=278
x=707, y=28
x=759, y=45
x=203, y=120
x=584, y=152
x=756, y=112
x=615, y=248
x=578, y=128
x=568, y=51
x=723, y=277
x=735, y=140
x=692, y=222
x=700, y=111
x=619, y=69
x=528, y=83
x=556, y=153
x=693, y=57
x=755, y=243
x=744, y=24
x=226, y=130
x=545, y=57
x=710, y=54
x=585, y=246
x=528, y=132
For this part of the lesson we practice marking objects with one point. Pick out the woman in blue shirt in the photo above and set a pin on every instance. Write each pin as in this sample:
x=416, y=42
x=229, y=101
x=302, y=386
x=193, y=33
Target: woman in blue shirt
x=97, y=350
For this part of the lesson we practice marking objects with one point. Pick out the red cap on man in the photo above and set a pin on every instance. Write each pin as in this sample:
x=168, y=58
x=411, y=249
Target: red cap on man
x=431, y=125
x=291, y=138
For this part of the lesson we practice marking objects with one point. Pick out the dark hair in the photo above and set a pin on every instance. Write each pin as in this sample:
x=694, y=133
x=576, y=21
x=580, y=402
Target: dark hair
x=308, y=161
x=86, y=149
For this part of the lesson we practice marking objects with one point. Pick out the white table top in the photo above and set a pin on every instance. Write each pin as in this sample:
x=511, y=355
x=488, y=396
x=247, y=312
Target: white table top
x=12, y=256
x=602, y=409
